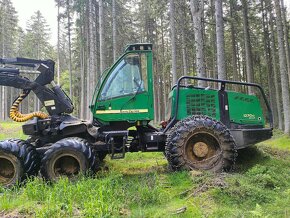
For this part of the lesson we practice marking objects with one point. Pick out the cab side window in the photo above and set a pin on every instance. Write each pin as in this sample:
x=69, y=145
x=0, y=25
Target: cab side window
x=126, y=78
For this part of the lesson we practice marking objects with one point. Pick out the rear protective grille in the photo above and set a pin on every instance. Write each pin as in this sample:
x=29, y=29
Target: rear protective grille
x=201, y=104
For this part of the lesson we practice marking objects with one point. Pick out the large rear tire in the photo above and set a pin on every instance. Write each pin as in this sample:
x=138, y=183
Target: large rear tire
x=67, y=158
x=200, y=143
x=18, y=159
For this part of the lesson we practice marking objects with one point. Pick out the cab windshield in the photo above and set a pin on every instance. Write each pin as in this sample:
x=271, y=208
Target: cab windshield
x=128, y=77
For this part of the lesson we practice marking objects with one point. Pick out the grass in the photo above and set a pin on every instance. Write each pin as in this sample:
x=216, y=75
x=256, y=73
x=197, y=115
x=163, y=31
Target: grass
x=11, y=130
x=279, y=141
x=141, y=186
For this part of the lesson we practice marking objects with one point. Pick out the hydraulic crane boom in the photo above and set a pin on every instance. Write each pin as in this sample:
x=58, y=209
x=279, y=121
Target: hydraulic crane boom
x=11, y=76
x=54, y=99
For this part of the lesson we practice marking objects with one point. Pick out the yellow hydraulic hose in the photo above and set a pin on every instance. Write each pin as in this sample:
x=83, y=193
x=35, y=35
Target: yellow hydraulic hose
x=19, y=117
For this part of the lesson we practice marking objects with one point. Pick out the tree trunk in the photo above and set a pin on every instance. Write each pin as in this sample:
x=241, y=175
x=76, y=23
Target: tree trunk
x=283, y=67
x=69, y=47
x=234, y=46
x=114, y=30
x=197, y=13
x=248, y=51
x=82, y=67
x=102, y=36
x=184, y=55
x=91, y=54
x=213, y=73
x=173, y=43
x=87, y=56
x=221, y=65
x=83, y=84
x=286, y=38
x=268, y=56
x=275, y=72
x=184, y=60
x=58, y=42
x=163, y=85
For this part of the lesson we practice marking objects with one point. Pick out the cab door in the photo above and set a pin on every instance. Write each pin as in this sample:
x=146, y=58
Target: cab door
x=126, y=93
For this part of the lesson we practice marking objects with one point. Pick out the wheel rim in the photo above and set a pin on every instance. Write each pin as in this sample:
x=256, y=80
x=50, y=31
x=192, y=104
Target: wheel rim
x=7, y=170
x=66, y=165
x=202, y=150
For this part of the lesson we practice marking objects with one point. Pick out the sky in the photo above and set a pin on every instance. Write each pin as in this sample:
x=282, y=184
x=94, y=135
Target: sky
x=26, y=8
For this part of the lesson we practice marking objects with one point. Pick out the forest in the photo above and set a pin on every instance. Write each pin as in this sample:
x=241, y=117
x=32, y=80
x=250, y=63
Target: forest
x=235, y=40
x=238, y=40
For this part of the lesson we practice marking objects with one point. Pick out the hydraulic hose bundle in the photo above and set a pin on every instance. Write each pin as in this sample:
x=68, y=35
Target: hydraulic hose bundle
x=19, y=117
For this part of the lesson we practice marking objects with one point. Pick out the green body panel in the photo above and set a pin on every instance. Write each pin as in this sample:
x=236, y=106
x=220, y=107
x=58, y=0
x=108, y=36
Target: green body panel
x=126, y=109
x=243, y=109
x=195, y=102
x=132, y=107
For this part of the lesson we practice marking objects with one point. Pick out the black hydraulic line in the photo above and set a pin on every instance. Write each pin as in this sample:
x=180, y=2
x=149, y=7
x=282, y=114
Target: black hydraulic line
x=223, y=83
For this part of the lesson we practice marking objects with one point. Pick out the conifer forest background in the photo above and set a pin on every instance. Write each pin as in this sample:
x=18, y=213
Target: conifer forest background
x=239, y=40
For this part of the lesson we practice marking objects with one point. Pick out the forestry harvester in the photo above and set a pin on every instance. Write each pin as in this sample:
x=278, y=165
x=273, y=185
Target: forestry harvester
x=204, y=126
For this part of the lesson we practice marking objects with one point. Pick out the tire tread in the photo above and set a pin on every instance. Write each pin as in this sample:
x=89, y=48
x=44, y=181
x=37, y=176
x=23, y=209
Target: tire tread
x=75, y=143
x=175, y=143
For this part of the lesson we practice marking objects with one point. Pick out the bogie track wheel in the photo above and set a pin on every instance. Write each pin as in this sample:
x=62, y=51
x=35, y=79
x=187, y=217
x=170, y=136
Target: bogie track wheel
x=200, y=143
x=18, y=159
x=67, y=158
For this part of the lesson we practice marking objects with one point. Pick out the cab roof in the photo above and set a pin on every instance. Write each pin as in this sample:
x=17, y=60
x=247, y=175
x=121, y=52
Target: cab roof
x=139, y=46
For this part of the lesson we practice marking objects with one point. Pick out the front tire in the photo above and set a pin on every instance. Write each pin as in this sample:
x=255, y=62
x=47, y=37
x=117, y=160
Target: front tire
x=67, y=158
x=200, y=143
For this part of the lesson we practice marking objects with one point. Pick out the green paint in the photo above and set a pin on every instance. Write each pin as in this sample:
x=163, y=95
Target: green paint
x=138, y=96
x=195, y=102
x=243, y=109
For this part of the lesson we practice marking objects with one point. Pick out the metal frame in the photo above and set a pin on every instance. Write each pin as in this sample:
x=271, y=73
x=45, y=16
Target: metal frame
x=222, y=88
x=26, y=62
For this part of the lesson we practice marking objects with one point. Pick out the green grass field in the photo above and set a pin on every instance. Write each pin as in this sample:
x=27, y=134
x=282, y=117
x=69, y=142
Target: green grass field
x=141, y=186
x=11, y=130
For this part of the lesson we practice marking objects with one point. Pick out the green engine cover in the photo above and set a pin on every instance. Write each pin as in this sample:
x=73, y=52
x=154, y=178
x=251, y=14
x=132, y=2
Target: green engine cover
x=243, y=109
